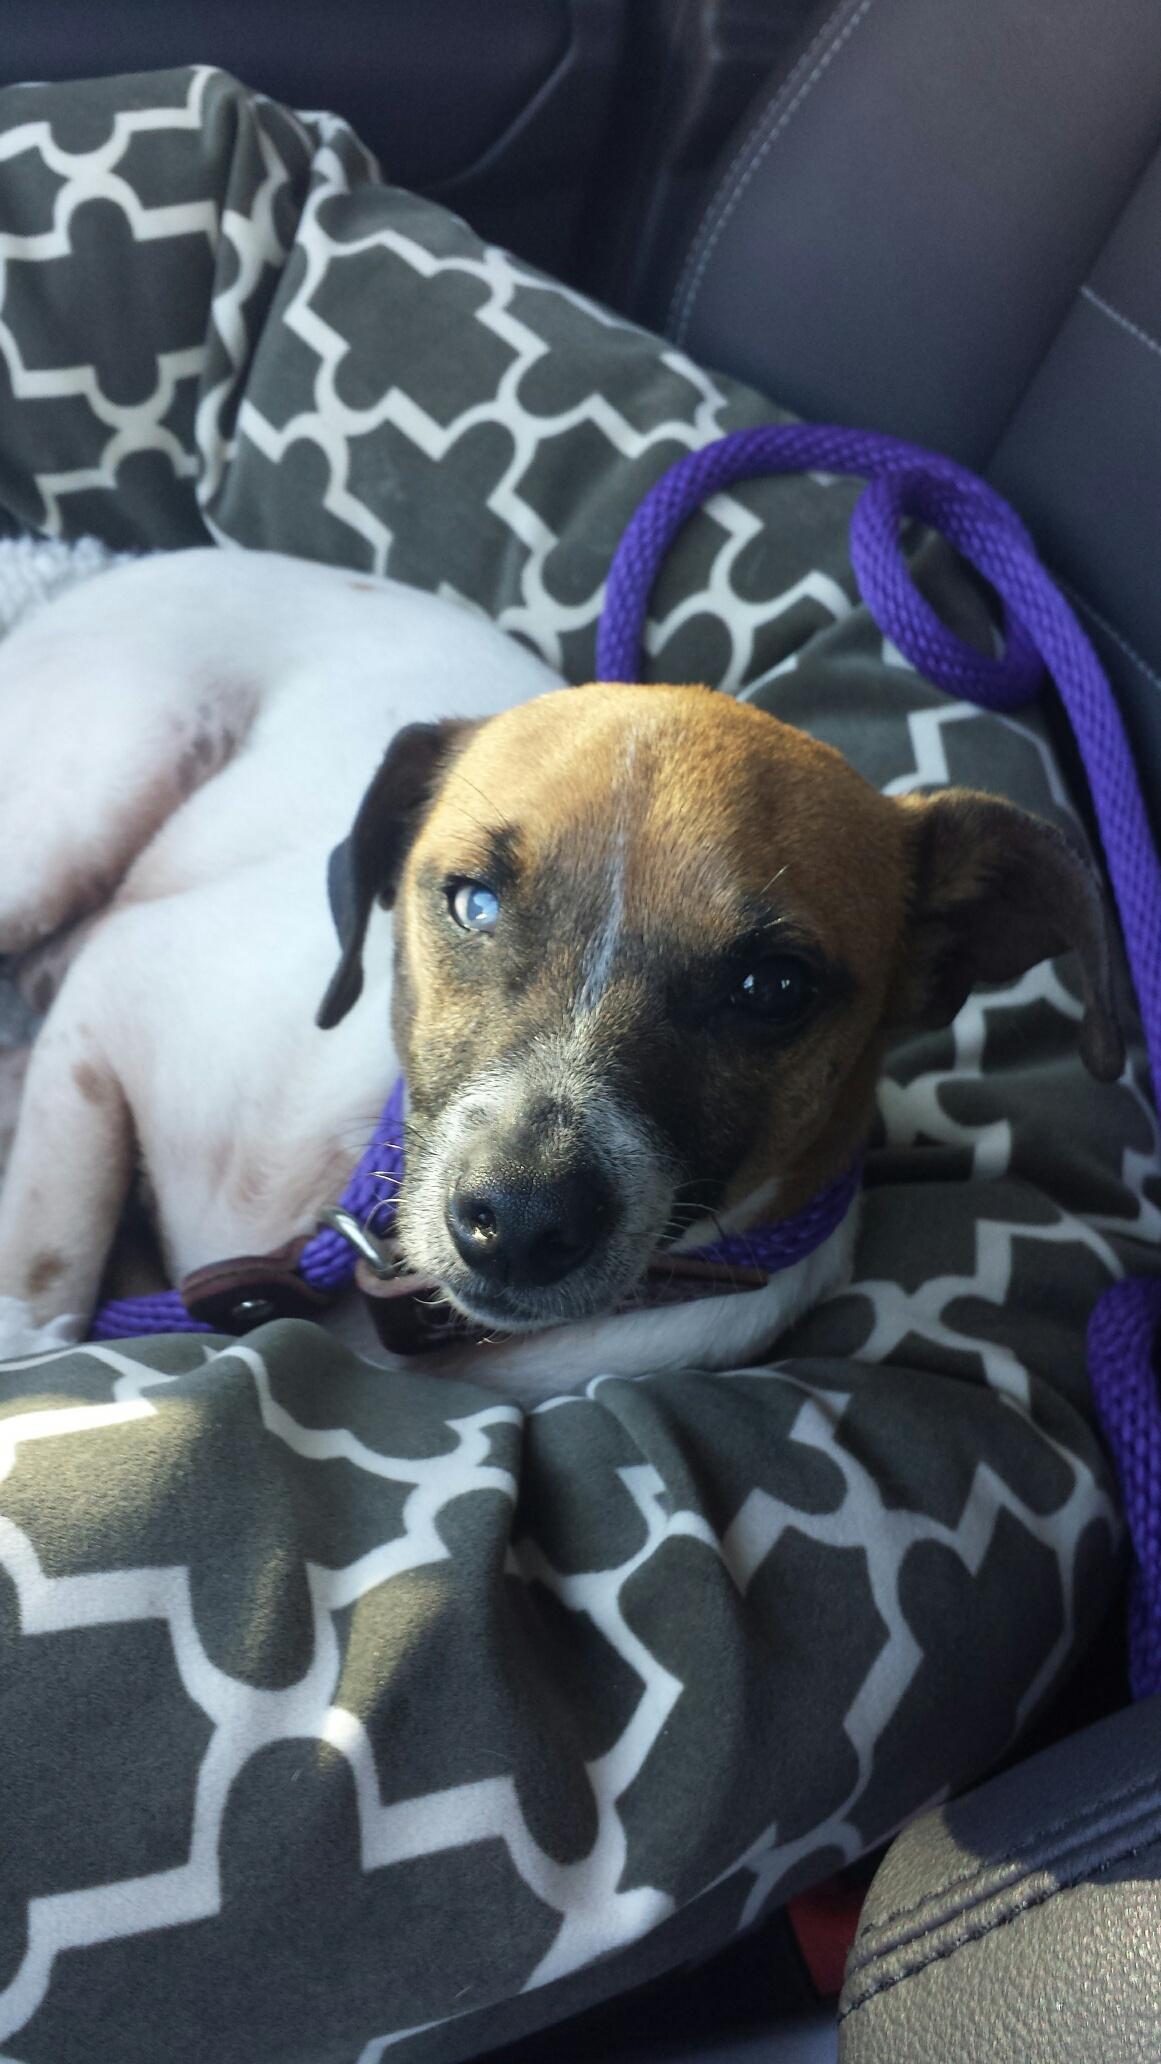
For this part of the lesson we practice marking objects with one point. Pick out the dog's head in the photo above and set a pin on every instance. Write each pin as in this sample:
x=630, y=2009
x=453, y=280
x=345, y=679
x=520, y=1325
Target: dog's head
x=650, y=944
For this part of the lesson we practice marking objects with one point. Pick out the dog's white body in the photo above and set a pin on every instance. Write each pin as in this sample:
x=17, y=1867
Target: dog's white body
x=194, y=733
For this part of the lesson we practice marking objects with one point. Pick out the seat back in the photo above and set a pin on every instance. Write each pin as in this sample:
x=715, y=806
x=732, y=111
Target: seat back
x=942, y=221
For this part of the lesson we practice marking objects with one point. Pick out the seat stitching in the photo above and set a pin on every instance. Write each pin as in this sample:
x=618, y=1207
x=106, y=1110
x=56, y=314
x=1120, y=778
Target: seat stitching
x=719, y=198
x=1130, y=651
x=990, y=1927
x=1123, y=321
x=689, y=286
x=1130, y=1797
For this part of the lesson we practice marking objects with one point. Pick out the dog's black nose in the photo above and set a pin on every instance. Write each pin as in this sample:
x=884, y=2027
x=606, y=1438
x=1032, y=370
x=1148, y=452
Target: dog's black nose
x=527, y=1230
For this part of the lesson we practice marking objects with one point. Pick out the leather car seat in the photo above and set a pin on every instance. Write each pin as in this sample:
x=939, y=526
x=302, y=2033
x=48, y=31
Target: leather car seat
x=942, y=221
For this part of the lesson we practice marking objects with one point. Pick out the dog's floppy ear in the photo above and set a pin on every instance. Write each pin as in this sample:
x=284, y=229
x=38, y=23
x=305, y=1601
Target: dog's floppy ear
x=994, y=891
x=365, y=868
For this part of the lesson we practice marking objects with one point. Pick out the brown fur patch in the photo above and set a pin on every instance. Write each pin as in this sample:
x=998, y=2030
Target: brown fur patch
x=45, y=1270
x=90, y=1082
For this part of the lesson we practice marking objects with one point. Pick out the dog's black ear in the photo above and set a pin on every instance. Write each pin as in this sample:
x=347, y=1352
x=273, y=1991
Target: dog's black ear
x=366, y=867
x=994, y=891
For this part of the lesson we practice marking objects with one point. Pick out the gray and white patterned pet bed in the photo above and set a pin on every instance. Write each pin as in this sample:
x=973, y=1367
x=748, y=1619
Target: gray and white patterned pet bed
x=346, y=1712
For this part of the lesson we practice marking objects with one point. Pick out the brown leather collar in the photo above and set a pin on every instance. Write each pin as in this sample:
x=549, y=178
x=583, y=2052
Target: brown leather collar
x=235, y=1296
x=411, y=1316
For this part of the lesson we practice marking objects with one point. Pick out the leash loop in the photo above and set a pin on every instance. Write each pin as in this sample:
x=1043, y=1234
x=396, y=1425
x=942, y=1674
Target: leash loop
x=996, y=681
x=1040, y=632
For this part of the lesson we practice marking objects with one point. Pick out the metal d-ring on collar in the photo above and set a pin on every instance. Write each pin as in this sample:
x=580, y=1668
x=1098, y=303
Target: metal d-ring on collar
x=355, y=1233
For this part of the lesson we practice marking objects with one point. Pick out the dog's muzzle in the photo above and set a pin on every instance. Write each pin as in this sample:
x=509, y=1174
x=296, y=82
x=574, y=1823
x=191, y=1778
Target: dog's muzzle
x=533, y=1198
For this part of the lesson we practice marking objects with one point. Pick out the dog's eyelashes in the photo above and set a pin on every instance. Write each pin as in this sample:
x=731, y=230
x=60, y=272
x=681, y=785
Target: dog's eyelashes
x=473, y=905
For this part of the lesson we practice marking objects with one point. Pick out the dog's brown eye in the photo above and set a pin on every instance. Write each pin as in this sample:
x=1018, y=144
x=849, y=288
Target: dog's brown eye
x=474, y=906
x=778, y=991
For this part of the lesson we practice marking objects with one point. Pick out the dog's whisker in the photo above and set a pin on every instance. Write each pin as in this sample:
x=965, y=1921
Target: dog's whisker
x=687, y=1213
x=707, y=1211
x=502, y=821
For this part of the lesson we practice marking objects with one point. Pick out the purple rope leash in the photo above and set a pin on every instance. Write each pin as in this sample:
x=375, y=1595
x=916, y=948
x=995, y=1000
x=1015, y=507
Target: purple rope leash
x=784, y=1241
x=1122, y=1336
x=127, y=1318
x=327, y=1262
x=1041, y=632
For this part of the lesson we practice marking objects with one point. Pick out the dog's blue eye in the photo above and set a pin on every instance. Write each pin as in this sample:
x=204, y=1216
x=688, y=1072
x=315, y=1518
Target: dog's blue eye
x=474, y=907
x=778, y=990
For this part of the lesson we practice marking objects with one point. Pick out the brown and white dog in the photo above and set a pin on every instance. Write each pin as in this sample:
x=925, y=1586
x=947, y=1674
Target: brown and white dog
x=648, y=945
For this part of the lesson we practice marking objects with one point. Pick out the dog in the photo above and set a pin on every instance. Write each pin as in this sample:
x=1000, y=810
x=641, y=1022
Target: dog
x=638, y=952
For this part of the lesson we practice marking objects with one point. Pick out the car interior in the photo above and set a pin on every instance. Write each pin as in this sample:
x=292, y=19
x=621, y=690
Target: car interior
x=920, y=218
